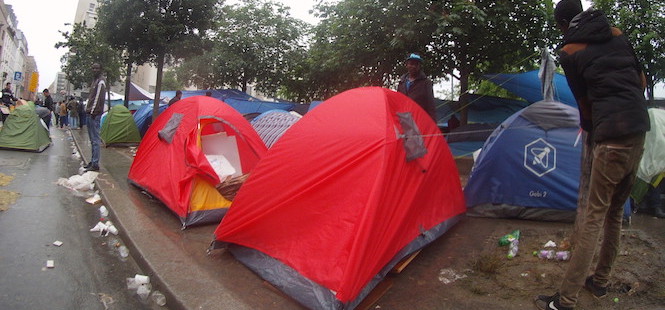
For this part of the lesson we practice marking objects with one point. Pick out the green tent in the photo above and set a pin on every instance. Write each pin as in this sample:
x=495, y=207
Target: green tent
x=651, y=170
x=24, y=130
x=119, y=127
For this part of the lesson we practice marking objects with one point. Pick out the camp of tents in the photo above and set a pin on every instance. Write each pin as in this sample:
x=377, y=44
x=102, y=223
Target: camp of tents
x=324, y=204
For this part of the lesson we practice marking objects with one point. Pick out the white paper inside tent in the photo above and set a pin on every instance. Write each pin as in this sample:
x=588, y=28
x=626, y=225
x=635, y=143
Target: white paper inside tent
x=222, y=153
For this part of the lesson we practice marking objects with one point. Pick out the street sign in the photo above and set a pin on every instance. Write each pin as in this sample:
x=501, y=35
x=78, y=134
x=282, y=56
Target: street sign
x=18, y=76
x=34, y=80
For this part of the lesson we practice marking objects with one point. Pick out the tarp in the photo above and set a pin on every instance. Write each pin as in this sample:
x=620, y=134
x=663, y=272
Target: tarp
x=481, y=109
x=118, y=127
x=257, y=106
x=24, y=130
x=220, y=94
x=527, y=85
x=138, y=93
x=348, y=191
x=189, y=150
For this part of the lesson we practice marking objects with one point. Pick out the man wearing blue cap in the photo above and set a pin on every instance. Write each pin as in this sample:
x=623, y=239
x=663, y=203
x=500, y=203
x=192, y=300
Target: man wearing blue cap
x=418, y=86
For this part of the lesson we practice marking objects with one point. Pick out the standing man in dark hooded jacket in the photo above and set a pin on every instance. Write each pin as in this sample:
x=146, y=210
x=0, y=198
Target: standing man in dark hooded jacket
x=94, y=109
x=608, y=84
x=417, y=85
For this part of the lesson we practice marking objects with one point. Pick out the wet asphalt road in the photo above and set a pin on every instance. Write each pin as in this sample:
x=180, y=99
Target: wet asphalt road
x=89, y=273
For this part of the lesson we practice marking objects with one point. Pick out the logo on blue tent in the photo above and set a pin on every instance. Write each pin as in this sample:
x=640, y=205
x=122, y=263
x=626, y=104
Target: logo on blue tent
x=540, y=157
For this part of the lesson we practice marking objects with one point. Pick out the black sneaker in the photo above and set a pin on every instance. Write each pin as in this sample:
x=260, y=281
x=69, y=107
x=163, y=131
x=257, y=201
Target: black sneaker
x=92, y=168
x=544, y=302
x=595, y=290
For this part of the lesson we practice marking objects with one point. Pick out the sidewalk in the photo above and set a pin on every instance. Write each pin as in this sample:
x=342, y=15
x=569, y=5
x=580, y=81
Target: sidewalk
x=176, y=260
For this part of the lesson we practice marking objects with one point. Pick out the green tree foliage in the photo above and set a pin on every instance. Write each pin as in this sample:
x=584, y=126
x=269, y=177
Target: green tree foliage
x=478, y=37
x=158, y=30
x=360, y=42
x=643, y=21
x=85, y=48
x=364, y=43
x=257, y=42
x=171, y=81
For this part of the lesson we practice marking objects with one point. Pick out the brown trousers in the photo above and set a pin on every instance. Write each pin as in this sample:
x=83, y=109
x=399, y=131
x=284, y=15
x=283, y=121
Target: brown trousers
x=611, y=175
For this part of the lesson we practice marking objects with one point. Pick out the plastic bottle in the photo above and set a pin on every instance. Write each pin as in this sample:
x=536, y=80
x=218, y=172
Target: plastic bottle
x=507, y=239
x=158, y=298
x=124, y=252
x=546, y=254
x=562, y=255
x=513, y=248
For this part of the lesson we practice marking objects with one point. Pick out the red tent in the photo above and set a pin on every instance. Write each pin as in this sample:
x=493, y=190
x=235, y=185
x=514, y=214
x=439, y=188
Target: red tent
x=175, y=161
x=356, y=185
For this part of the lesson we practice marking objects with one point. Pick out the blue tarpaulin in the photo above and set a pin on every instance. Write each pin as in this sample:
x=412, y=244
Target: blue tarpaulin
x=527, y=85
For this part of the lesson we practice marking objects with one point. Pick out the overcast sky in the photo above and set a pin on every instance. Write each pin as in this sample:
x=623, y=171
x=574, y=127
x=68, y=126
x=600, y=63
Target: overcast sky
x=41, y=20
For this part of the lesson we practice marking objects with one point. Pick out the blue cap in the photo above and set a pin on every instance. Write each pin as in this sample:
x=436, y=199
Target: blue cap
x=414, y=56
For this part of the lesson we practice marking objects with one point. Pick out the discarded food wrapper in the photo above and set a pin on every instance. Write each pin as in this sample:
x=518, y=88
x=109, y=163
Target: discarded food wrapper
x=57, y=243
x=50, y=263
x=100, y=227
x=447, y=276
x=103, y=211
x=94, y=199
x=111, y=229
x=144, y=291
x=131, y=284
x=77, y=182
x=141, y=279
x=550, y=244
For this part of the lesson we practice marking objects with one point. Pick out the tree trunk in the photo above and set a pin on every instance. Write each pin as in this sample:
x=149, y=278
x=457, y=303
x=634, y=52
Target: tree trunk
x=128, y=80
x=158, y=87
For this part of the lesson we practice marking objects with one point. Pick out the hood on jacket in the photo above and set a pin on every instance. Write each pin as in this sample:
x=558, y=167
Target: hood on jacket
x=590, y=26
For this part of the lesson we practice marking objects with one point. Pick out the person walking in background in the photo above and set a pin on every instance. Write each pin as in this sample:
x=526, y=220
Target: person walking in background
x=72, y=108
x=82, y=118
x=608, y=84
x=417, y=85
x=8, y=100
x=62, y=114
x=94, y=109
x=48, y=101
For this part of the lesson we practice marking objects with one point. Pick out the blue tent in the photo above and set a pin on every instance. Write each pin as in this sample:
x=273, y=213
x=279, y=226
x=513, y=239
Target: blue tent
x=529, y=166
x=271, y=125
x=527, y=85
x=143, y=116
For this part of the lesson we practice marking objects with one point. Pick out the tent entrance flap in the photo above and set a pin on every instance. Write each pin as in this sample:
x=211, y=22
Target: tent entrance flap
x=222, y=153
